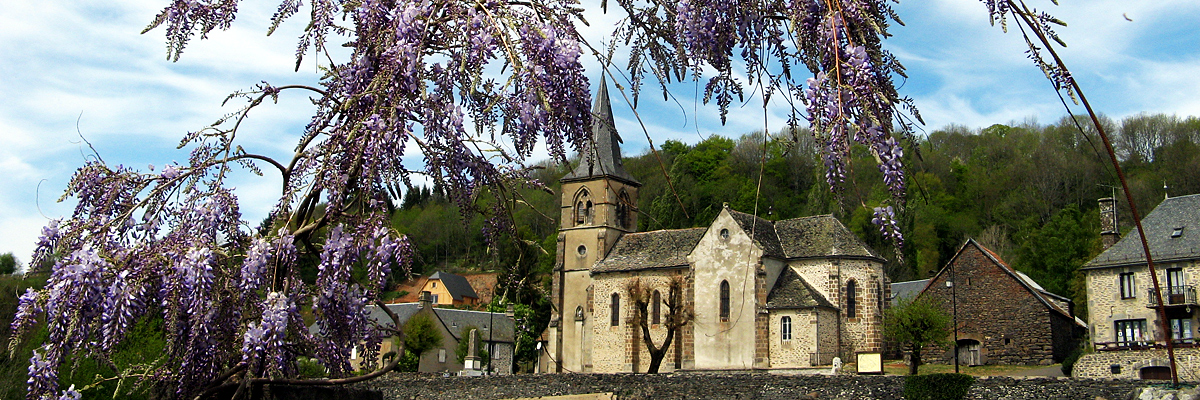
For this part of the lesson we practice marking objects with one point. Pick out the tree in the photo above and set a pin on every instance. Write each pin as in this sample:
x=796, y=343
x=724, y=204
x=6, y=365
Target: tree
x=915, y=323
x=421, y=334
x=8, y=264
x=643, y=297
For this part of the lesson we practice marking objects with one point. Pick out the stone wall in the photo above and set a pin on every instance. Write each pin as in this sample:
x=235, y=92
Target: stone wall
x=829, y=277
x=607, y=341
x=729, y=386
x=735, y=259
x=1105, y=305
x=1099, y=364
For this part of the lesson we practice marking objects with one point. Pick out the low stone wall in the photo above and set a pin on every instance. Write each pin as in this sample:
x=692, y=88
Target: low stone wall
x=728, y=386
x=1099, y=364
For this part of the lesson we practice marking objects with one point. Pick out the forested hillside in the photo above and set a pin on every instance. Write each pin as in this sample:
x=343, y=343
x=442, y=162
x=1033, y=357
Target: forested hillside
x=1027, y=191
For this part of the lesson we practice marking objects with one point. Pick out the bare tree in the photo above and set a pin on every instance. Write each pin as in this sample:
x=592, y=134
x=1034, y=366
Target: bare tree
x=645, y=303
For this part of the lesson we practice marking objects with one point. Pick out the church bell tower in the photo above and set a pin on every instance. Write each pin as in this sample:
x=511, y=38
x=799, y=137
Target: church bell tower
x=598, y=205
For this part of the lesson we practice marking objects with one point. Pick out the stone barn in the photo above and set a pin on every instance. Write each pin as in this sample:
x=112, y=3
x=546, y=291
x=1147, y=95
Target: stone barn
x=1003, y=316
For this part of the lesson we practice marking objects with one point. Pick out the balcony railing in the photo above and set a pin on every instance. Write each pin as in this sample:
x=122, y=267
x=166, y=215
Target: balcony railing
x=1173, y=296
x=1145, y=345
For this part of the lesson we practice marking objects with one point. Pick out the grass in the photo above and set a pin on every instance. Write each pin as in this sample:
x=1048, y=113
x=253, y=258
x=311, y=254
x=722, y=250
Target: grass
x=899, y=368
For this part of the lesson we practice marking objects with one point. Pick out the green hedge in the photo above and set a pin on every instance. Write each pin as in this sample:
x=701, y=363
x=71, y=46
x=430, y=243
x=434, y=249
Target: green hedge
x=937, y=386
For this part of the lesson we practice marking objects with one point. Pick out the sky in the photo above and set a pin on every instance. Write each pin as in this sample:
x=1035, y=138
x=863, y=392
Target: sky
x=77, y=70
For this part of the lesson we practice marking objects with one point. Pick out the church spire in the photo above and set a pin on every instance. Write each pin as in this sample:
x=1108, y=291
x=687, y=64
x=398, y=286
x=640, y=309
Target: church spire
x=602, y=156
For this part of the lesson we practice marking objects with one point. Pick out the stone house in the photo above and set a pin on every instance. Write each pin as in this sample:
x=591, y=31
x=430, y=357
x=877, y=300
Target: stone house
x=765, y=294
x=496, y=333
x=1127, y=333
x=1003, y=316
x=450, y=289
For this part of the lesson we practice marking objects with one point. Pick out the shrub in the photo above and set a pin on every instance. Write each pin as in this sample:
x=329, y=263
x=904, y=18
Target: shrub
x=937, y=386
x=1068, y=363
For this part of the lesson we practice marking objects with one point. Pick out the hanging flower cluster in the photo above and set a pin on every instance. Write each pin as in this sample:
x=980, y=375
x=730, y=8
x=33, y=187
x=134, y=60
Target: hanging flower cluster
x=471, y=85
x=849, y=98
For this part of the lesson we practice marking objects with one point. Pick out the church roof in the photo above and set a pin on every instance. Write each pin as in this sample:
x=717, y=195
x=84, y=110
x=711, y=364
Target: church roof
x=791, y=291
x=602, y=157
x=650, y=250
x=1172, y=231
x=807, y=237
x=820, y=236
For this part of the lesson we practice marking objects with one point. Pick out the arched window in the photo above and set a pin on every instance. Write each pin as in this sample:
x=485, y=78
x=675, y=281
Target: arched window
x=583, y=207
x=851, y=293
x=724, y=301
x=785, y=328
x=615, y=317
x=656, y=309
x=623, y=207
x=579, y=213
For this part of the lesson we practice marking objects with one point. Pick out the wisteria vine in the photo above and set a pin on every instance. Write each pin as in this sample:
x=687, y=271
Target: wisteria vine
x=471, y=85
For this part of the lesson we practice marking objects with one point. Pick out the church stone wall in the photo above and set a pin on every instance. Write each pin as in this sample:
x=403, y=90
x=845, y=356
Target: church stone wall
x=794, y=353
x=620, y=348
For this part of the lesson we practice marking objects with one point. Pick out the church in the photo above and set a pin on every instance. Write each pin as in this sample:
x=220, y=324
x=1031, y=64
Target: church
x=764, y=295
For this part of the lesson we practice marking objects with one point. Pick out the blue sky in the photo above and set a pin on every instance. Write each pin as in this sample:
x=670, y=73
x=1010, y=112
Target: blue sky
x=74, y=68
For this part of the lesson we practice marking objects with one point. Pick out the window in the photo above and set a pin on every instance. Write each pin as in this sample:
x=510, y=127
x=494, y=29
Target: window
x=725, y=234
x=656, y=309
x=785, y=330
x=441, y=355
x=582, y=250
x=615, y=317
x=434, y=299
x=1175, y=280
x=435, y=285
x=1181, y=328
x=1130, y=331
x=851, y=292
x=724, y=301
x=579, y=213
x=1128, y=286
x=624, y=219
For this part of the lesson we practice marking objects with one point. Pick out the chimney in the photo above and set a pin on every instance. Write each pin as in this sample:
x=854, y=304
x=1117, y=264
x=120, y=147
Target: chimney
x=424, y=300
x=1109, y=230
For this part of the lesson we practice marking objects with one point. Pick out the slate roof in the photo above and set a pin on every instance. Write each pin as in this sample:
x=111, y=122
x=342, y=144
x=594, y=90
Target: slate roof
x=907, y=290
x=807, y=237
x=791, y=292
x=820, y=236
x=501, y=328
x=650, y=250
x=455, y=284
x=602, y=157
x=1170, y=215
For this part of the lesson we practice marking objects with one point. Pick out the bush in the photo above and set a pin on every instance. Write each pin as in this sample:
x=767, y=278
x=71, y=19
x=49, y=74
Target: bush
x=1068, y=363
x=937, y=386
